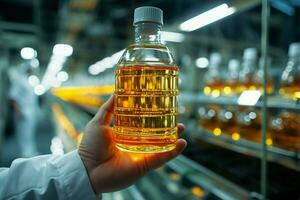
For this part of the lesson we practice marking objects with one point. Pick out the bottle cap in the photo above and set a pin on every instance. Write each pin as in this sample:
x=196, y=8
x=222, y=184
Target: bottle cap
x=148, y=14
x=294, y=49
x=250, y=53
x=234, y=65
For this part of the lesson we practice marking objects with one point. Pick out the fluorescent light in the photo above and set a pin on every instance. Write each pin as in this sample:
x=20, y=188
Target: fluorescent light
x=39, y=90
x=207, y=17
x=202, y=62
x=172, y=36
x=105, y=63
x=249, y=98
x=33, y=80
x=63, y=50
x=62, y=76
x=28, y=53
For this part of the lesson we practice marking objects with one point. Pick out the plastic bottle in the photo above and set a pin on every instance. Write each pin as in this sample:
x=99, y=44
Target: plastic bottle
x=232, y=78
x=146, y=89
x=290, y=79
x=258, y=78
x=213, y=81
x=246, y=76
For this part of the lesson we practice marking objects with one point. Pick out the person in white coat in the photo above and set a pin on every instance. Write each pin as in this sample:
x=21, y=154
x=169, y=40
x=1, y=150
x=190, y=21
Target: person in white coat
x=24, y=103
x=96, y=167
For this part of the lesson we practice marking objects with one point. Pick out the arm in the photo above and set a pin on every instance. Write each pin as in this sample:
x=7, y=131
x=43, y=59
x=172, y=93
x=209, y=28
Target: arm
x=46, y=177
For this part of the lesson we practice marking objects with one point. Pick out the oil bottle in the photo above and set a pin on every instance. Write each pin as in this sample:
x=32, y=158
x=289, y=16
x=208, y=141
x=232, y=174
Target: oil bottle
x=258, y=78
x=213, y=81
x=146, y=89
x=246, y=76
x=232, y=78
x=290, y=79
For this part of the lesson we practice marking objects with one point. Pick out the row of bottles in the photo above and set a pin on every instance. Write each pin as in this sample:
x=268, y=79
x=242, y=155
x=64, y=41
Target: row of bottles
x=245, y=122
x=246, y=76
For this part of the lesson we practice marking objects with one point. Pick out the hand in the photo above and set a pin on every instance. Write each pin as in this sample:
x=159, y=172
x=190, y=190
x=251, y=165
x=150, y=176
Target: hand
x=110, y=169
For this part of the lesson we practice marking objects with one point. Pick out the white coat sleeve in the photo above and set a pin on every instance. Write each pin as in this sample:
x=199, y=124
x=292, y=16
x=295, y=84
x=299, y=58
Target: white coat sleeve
x=46, y=177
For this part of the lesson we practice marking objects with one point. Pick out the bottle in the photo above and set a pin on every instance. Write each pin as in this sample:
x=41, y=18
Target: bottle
x=249, y=123
x=146, y=89
x=213, y=82
x=290, y=79
x=208, y=118
x=246, y=75
x=258, y=77
x=285, y=130
x=232, y=78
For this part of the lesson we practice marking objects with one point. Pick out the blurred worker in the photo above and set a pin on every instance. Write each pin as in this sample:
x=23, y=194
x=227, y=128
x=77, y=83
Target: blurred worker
x=24, y=103
x=96, y=167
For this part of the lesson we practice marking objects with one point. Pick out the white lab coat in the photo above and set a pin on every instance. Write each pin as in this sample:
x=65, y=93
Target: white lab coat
x=23, y=94
x=46, y=177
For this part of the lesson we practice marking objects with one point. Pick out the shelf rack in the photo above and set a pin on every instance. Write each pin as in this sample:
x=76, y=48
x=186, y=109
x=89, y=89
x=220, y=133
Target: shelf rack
x=273, y=101
x=283, y=157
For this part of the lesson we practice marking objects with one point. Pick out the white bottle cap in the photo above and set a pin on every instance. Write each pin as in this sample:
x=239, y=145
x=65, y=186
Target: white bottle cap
x=148, y=14
x=234, y=65
x=294, y=49
x=250, y=54
x=215, y=58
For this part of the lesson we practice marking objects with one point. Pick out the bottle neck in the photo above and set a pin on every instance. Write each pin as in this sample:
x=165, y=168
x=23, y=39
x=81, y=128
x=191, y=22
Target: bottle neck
x=147, y=32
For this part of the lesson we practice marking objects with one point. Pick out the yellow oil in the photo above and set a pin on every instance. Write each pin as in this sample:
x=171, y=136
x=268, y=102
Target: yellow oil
x=146, y=111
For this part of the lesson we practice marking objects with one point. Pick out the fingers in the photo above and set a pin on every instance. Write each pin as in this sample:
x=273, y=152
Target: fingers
x=180, y=128
x=154, y=161
x=105, y=112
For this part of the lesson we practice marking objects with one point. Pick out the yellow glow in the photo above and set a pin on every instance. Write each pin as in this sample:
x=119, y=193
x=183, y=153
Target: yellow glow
x=235, y=136
x=281, y=91
x=252, y=87
x=227, y=90
x=197, y=191
x=79, y=138
x=217, y=131
x=207, y=90
x=135, y=156
x=174, y=176
x=296, y=95
x=64, y=121
x=86, y=96
x=215, y=93
x=269, y=141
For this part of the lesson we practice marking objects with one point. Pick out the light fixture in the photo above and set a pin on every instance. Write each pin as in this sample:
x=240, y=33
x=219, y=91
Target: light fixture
x=28, y=53
x=62, y=76
x=249, y=98
x=63, y=50
x=172, y=36
x=105, y=63
x=201, y=62
x=33, y=80
x=39, y=90
x=207, y=17
x=35, y=63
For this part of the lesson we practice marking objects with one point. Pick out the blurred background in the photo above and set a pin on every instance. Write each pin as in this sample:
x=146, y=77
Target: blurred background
x=57, y=62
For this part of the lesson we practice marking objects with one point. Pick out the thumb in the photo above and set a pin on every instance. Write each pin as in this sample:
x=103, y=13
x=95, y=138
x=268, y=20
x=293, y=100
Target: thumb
x=105, y=112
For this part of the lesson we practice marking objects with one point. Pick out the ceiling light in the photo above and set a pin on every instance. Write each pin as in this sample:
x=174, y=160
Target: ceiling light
x=172, y=36
x=35, y=63
x=64, y=50
x=33, y=80
x=28, y=53
x=62, y=76
x=201, y=62
x=39, y=90
x=207, y=17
